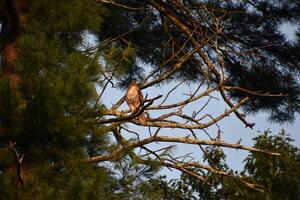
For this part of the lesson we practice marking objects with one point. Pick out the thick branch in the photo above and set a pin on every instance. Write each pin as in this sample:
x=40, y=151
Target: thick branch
x=116, y=154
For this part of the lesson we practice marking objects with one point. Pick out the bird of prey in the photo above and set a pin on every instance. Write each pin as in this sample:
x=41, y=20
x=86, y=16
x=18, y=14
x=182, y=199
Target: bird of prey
x=135, y=100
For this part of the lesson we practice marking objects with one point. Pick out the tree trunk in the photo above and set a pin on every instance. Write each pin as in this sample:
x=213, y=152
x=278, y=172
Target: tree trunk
x=12, y=14
x=13, y=23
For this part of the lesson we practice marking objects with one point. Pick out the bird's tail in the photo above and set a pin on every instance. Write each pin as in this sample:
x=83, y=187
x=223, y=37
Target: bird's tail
x=143, y=118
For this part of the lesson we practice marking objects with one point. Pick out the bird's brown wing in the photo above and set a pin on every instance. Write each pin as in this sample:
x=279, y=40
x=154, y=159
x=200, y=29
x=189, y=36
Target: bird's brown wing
x=141, y=98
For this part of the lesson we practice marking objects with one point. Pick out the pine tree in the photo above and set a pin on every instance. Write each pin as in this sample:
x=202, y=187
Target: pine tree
x=48, y=101
x=241, y=38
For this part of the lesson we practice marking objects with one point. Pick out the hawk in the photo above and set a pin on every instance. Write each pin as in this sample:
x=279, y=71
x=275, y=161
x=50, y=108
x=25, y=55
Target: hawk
x=135, y=100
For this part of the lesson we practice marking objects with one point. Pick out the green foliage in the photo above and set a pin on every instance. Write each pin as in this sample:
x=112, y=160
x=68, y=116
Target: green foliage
x=278, y=176
x=50, y=114
x=56, y=82
x=76, y=182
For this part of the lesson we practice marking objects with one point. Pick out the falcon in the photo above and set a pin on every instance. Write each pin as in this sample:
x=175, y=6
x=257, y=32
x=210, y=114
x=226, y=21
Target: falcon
x=135, y=100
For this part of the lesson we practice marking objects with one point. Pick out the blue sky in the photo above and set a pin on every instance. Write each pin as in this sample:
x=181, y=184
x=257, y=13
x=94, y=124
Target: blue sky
x=232, y=128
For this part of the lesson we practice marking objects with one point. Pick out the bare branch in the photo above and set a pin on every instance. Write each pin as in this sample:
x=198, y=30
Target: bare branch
x=18, y=161
x=122, y=150
x=199, y=125
x=170, y=92
x=265, y=94
x=121, y=5
x=189, y=100
x=175, y=68
x=106, y=84
x=239, y=115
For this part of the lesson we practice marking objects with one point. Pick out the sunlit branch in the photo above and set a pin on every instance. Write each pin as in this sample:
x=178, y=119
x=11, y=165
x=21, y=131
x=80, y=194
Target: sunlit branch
x=119, y=152
x=120, y=5
x=256, y=93
x=223, y=173
x=195, y=126
x=204, y=57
